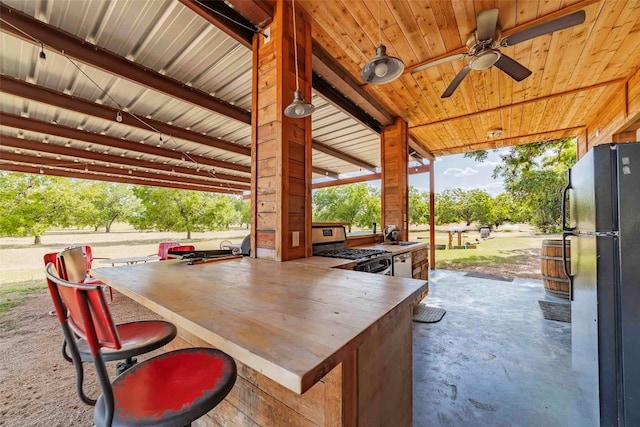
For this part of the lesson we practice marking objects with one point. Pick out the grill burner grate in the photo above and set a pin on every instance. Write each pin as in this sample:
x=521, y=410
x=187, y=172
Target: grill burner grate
x=352, y=254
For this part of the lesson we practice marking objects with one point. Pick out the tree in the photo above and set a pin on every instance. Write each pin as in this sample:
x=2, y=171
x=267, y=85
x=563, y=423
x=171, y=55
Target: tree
x=504, y=209
x=456, y=204
x=418, y=206
x=446, y=208
x=540, y=192
x=32, y=204
x=104, y=203
x=355, y=204
x=534, y=175
x=180, y=210
x=242, y=209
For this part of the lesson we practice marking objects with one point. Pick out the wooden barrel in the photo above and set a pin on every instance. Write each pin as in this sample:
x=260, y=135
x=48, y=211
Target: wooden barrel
x=555, y=281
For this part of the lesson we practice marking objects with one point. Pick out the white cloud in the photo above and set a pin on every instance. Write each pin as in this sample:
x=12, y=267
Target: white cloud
x=460, y=172
x=488, y=164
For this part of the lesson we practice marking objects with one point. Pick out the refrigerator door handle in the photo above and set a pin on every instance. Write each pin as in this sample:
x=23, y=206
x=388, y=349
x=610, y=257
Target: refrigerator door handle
x=565, y=191
x=564, y=263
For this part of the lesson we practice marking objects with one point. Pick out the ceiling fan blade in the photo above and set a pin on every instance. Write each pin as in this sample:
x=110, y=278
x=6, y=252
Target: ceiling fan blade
x=514, y=69
x=566, y=21
x=439, y=61
x=454, y=84
x=487, y=21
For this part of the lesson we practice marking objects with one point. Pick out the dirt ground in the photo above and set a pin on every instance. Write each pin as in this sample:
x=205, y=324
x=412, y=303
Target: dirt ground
x=37, y=386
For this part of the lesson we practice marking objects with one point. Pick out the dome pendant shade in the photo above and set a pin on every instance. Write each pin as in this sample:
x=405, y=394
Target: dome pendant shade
x=383, y=68
x=299, y=108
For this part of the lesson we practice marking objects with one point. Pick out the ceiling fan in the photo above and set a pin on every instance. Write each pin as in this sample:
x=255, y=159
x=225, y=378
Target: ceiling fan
x=484, y=46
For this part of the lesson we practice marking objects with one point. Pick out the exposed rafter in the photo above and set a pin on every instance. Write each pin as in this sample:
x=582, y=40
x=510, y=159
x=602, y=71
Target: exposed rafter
x=336, y=75
x=343, y=156
x=109, y=141
x=112, y=177
x=136, y=173
x=369, y=177
x=329, y=78
x=224, y=18
x=85, y=156
x=112, y=63
x=79, y=105
x=325, y=172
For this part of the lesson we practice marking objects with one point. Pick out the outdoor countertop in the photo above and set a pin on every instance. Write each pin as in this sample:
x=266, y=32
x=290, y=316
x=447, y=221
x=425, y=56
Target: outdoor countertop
x=293, y=323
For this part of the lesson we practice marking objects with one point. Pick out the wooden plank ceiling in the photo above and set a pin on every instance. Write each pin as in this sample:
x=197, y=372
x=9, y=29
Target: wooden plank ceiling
x=575, y=72
x=159, y=92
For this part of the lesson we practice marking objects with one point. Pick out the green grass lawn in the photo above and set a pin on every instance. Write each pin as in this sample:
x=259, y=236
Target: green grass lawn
x=503, y=247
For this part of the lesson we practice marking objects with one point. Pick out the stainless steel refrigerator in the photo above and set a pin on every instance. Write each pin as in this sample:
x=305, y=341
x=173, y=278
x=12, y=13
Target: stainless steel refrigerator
x=603, y=197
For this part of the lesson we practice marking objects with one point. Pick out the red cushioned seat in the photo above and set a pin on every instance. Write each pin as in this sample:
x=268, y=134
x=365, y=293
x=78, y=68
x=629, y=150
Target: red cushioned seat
x=172, y=389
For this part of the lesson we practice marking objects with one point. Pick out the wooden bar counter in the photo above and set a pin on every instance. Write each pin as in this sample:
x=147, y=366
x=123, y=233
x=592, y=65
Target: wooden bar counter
x=313, y=345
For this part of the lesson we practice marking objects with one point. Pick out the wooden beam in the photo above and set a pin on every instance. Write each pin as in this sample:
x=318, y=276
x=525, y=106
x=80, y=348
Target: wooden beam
x=316, y=145
x=120, y=171
x=225, y=18
x=91, y=156
x=514, y=140
x=522, y=103
x=101, y=58
x=259, y=12
x=95, y=176
x=58, y=99
x=369, y=177
x=418, y=148
x=109, y=141
x=338, y=100
x=337, y=76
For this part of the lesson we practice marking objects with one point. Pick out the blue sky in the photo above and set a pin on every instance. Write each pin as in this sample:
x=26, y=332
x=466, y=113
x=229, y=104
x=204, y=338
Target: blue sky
x=458, y=172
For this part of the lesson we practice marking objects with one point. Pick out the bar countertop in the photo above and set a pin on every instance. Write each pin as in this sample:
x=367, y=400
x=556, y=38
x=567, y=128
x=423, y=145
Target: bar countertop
x=290, y=321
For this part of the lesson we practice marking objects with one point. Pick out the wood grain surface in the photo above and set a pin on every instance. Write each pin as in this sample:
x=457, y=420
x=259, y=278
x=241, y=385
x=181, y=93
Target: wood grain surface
x=292, y=323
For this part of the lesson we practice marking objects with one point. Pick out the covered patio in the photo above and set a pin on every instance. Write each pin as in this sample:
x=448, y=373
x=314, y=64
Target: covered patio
x=191, y=94
x=494, y=359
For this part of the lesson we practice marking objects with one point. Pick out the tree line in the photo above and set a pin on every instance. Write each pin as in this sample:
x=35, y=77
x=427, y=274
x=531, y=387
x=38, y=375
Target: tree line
x=533, y=175
x=32, y=204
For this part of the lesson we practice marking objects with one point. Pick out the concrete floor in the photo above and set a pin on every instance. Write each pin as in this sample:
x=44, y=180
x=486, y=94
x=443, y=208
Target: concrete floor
x=493, y=360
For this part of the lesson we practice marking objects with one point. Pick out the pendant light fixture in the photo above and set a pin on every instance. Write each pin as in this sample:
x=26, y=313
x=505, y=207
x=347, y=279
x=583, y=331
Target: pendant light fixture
x=298, y=108
x=383, y=68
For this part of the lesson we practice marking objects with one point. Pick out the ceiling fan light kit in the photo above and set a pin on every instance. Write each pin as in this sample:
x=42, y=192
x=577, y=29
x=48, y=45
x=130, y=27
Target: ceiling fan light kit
x=383, y=68
x=298, y=108
x=484, y=46
x=484, y=59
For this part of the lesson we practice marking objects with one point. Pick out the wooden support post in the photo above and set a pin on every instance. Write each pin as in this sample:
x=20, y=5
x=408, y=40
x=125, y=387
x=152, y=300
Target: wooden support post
x=281, y=146
x=432, y=216
x=395, y=177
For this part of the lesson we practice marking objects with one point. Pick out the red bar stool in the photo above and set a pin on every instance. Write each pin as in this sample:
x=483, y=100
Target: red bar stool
x=163, y=249
x=172, y=389
x=136, y=338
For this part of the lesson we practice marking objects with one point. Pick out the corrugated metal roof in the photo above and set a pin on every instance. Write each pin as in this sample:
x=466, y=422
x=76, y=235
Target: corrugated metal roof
x=167, y=37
